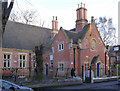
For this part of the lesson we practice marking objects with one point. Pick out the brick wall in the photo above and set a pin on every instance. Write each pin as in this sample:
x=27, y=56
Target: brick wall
x=15, y=62
x=61, y=56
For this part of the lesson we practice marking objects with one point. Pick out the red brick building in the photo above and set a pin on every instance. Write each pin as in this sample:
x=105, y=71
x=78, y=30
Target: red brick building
x=19, y=42
x=71, y=47
x=63, y=49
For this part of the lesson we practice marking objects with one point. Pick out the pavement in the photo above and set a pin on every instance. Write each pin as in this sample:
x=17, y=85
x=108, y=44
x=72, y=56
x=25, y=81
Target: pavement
x=50, y=83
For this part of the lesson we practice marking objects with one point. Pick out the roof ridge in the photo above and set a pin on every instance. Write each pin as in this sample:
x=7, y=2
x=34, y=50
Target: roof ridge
x=28, y=24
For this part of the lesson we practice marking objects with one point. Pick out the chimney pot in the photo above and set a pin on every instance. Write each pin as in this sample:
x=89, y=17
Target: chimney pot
x=61, y=28
x=81, y=4
x=53, y=17
x=56, y=17
x=84, y=5
x=78, y=5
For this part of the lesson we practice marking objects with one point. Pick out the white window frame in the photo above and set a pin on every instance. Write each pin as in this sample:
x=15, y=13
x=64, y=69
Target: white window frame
x=70, y=45
x=53, y=49
x=61, y=46
x=34, y=61
x=51, y=62
x=86, y=66
x=10, y=59
x=60, y=69
x=23, y=54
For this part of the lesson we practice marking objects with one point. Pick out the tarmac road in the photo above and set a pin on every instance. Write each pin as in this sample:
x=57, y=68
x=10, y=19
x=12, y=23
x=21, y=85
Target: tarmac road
x=107, y=86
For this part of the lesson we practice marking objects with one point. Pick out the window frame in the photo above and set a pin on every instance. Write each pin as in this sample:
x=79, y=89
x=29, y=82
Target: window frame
x=6, y=60
x=61, y=46
x=23, y=60
x=60, y=69
x=51, y=62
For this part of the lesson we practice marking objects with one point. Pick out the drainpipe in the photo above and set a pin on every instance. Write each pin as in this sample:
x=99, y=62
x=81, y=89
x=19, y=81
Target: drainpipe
x=74, y=57
x=29, y=64
x=105, y=63
x=109, y=66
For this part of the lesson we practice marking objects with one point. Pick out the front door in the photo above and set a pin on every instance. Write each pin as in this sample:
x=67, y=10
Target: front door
x=46, y=69
x=98, y=69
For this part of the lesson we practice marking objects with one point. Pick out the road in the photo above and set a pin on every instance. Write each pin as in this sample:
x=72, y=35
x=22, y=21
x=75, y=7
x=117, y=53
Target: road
x=107, y=86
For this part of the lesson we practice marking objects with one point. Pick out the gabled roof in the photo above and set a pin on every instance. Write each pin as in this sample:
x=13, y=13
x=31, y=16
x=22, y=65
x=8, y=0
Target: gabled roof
x=71, y=34
x=95, y=58
x=23, y=36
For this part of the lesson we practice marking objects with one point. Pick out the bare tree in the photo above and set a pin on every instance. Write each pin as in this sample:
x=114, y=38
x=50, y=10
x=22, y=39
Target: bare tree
x=14, y=16
x=39, y=62
x=107, y=30
x=27, y=17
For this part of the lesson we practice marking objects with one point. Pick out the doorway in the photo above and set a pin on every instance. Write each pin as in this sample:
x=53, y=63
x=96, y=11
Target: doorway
x=46, y=69
x=98, y=71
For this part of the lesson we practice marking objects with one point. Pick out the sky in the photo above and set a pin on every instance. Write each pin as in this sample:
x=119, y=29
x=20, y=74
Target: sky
x=65, y=10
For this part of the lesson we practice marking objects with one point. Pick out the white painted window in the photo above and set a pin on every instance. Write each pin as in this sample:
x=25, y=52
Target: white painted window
x=86, y=70
x=34, y=61
x=61, y=46
x=70, y=45
x=6, y=60
x=22, y=60
x=60, y=66
x=53, y=49
x=51, y=62
x=86, y=66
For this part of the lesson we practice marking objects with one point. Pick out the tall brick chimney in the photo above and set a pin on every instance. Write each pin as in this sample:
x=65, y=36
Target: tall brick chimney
x=54, y=27
x=81, y=17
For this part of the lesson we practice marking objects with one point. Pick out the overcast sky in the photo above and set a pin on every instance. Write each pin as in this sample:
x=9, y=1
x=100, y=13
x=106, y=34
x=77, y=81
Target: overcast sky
x=65, y=10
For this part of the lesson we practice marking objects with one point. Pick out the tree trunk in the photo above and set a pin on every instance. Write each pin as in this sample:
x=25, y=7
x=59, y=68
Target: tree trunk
x=39, y=62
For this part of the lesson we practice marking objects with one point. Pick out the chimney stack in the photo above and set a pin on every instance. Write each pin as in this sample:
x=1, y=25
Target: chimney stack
x=54, y=27
x=81, y=17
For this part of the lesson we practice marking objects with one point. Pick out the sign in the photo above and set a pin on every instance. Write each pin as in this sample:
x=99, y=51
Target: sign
x=15, y=61
x=26, y=79
x=86, y=56
x=71, y=62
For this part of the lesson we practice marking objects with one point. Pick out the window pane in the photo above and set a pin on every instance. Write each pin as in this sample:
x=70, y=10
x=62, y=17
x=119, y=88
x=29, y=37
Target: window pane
x=20, y=56
x=23, y=63
x=62, y=67
x=59, y=47
x=20, y=64
x=4, y=63
x=23, y=57
x=8, y=56
x=62, y=46
x=4, y=56
x=8, y=63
